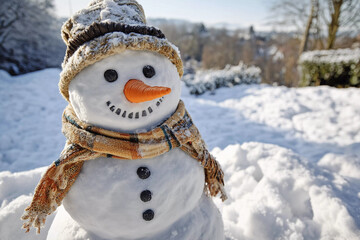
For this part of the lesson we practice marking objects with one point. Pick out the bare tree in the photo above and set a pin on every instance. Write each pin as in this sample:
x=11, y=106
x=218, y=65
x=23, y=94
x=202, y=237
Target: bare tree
x=340, y=14
x=10, y=13
x=313, y=14
x=29, y=36
x=289, y=14
x=333, y=15
x=298, y=16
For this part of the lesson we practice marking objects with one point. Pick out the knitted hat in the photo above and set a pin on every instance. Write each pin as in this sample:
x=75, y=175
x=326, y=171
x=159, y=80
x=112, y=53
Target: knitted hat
x=105, y=28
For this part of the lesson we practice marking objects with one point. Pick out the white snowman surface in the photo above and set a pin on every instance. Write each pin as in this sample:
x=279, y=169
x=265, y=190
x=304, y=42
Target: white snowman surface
x=102, y=103
x=156, y=199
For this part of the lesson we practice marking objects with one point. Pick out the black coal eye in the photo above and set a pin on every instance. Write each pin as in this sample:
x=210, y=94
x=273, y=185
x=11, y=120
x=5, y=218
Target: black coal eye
x=110, y=75
x=149, y=71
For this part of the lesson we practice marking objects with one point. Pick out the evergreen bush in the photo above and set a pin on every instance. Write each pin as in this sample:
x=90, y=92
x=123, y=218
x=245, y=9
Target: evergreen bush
x=337, y=68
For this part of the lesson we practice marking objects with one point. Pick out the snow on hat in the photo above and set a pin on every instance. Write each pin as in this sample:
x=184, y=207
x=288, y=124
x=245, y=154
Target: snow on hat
x=105, y=28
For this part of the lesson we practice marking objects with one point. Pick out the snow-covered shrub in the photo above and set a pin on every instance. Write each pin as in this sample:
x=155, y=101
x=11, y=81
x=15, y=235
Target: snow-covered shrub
x=29, y=36
x=209, y=80
x=338, y=68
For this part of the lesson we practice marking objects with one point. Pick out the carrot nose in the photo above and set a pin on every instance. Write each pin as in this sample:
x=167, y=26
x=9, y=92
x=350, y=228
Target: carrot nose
x=137, y=91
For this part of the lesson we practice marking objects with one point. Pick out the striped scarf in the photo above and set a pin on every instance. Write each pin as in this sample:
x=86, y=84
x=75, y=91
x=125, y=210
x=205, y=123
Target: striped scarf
x=86, y=142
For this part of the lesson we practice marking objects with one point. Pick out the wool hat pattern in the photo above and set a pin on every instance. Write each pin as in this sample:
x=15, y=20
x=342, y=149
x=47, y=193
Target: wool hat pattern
x=105, y=28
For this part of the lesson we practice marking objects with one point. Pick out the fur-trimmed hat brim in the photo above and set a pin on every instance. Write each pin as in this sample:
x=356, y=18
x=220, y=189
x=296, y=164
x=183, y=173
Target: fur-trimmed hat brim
x=111, y=44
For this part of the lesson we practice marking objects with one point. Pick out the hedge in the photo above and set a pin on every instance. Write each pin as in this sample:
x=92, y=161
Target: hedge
x=337, y=68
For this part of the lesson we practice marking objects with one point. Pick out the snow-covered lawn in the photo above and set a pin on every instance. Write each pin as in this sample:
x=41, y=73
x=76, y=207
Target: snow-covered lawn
x=291, y=156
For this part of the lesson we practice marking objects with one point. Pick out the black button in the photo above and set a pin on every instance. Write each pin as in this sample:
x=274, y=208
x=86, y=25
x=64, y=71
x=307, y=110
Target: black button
x=143, y=172
x=148, y=215
x=145, y=196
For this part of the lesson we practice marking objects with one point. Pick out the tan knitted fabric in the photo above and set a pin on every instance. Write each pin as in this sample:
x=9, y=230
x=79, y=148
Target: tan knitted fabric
x=96, y=47
x=86, y=142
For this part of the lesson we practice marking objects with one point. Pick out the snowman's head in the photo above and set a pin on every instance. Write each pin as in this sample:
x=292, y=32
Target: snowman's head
x=118, y=72
x=131, y=91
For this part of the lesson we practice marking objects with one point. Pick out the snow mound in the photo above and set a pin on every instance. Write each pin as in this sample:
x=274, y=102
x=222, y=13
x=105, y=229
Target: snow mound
x=16, y=191
x=276, y=194
x=4, y=76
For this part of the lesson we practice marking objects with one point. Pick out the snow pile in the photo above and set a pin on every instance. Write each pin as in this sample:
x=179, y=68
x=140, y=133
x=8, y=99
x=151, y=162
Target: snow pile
x=209, y=80
x=276, y=194
x=4, y=75
x=291, y=157
x=15, y=196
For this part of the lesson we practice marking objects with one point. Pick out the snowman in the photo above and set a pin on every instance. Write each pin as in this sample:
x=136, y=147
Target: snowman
x=134, y=165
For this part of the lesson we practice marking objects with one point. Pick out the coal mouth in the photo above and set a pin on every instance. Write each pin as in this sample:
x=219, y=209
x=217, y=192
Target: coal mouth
x=131, y=114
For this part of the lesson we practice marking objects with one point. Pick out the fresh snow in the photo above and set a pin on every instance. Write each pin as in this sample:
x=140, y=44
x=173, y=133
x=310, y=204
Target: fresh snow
x=108, y=12
x=290, y=156
x=30, y=117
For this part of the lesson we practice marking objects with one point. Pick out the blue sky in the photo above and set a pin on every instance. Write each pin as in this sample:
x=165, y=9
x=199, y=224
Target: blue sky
x=240, y=12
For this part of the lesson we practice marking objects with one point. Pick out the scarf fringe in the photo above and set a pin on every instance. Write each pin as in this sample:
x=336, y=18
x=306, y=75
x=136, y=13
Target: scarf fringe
x=55, y=184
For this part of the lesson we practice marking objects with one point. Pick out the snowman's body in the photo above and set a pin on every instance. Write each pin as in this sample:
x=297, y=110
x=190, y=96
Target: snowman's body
x=159, y=198
x=105, y=201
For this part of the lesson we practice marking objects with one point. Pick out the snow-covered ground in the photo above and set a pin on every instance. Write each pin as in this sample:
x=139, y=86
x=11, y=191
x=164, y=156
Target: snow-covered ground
x=291, y=156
